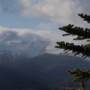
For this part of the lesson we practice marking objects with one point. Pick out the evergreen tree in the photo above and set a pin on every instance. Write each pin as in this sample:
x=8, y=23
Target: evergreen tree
x=80, y=75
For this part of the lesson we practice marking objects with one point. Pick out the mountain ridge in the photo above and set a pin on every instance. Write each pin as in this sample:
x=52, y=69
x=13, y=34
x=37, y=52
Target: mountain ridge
x=38, y=73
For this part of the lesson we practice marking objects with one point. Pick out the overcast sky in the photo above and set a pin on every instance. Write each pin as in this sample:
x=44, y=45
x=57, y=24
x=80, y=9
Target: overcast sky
x=41, y=13
x=38, y=18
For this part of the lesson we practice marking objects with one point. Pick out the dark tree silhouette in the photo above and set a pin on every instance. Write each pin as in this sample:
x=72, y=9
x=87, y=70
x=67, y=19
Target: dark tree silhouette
x=80, y=75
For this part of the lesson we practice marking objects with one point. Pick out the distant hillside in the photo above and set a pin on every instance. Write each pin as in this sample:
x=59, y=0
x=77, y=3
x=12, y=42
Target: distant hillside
x=45, y=72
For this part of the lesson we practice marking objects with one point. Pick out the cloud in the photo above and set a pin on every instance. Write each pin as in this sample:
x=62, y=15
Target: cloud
x=61, y=10
x=25, y=41
x=30, y=42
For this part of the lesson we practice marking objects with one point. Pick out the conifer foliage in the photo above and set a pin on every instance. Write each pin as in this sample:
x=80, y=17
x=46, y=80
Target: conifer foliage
x=81, y=33
x=80, y=75
x=85, y=17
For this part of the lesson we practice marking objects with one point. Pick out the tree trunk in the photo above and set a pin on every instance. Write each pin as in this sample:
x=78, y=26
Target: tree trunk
x=82, y=86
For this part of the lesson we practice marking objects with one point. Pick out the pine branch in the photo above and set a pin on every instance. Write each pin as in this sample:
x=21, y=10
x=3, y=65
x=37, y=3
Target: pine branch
x=80, y=74
x=85, y=17
x=76, y=49
x=72, y=30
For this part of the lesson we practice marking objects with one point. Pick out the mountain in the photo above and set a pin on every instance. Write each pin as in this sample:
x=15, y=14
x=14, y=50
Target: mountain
x=45, y=72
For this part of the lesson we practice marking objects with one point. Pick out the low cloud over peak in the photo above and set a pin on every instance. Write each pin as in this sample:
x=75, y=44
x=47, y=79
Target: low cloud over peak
x=28, y=42
x=25, y=41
